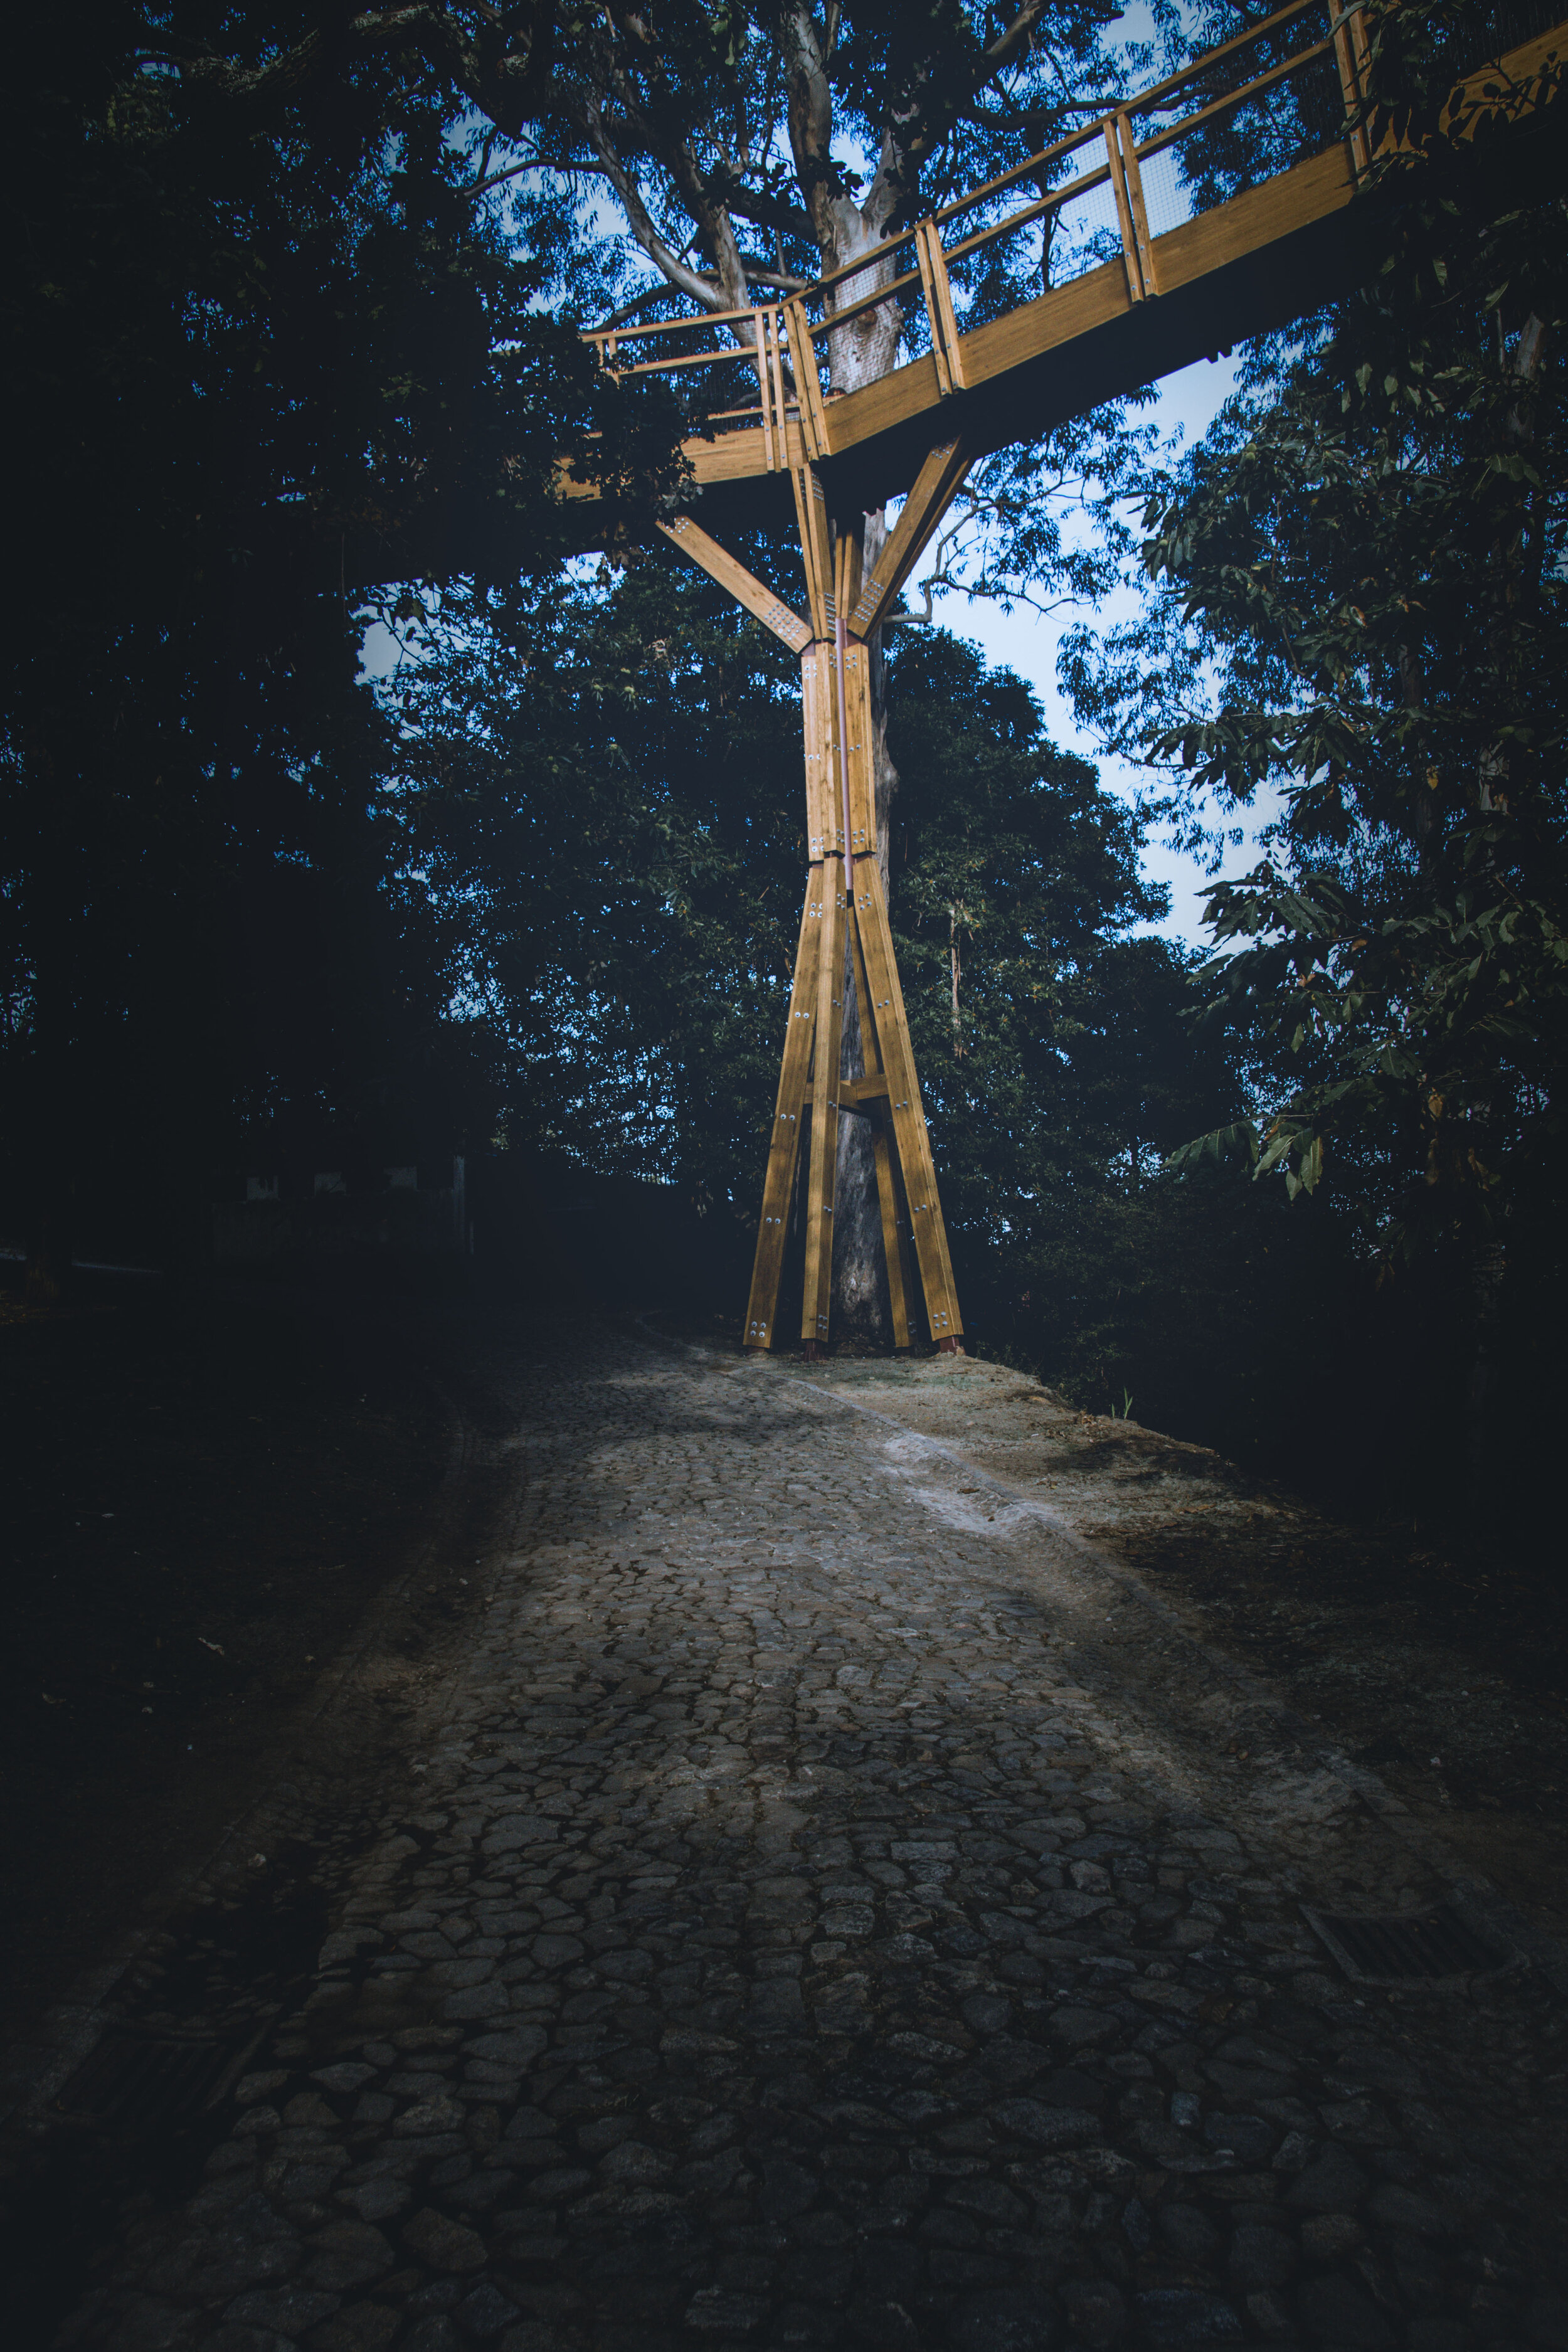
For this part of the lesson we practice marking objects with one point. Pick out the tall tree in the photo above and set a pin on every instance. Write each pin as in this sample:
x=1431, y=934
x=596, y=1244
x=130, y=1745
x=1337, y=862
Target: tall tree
x=751, y=150
x=636, y=961
x=748, y=150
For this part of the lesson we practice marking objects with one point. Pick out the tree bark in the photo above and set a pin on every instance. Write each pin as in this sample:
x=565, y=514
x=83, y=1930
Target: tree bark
x=862, y=1310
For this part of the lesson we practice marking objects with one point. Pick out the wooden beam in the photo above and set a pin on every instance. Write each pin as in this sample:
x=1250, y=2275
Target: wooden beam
x=744, y=586
x=859, y=1090
x=937, y=287
x=856, y=672
x=931, y=1252
x=1118, y=161
x=1134, y=178
x=936, y=486
x=819, y=719
x=1350, y=57
x=893, y=1237
x=848, y=547
x=822, y=1171
x=815, y=548
x=808, y=381
x=784, y=1148
x=873, y=1087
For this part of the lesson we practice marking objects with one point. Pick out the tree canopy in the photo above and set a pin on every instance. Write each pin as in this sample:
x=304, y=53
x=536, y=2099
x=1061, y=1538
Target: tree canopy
x=269, y=352
x=294, y=325
x=1358, y=608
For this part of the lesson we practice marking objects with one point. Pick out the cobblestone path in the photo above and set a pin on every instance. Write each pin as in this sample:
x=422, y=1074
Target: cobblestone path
x=820, y=1917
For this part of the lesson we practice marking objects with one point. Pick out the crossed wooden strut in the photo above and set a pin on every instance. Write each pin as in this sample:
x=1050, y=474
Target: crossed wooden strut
x=845, y=939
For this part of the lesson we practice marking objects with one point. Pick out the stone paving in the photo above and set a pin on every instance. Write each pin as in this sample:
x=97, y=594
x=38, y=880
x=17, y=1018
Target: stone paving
x=818, y=1916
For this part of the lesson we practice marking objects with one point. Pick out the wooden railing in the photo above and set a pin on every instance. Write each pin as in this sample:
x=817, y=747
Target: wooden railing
x=1312, y=94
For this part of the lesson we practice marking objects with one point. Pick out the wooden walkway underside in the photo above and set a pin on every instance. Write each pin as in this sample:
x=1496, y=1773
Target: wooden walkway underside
x=1273, y=253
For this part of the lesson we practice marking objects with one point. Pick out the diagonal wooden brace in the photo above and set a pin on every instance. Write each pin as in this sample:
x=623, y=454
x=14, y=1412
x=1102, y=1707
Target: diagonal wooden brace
x=783, y=1149
x=822, y=1173
x=815, y=548
x=937, y=484
x=744, y=586
x=913, y=1142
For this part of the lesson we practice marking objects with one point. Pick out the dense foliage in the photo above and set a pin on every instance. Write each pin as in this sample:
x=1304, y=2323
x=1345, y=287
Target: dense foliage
x=1358, y=616
x=292, y=330
x=265, y=352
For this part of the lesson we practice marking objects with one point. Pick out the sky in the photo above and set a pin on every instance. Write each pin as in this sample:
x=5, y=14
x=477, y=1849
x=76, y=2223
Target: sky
x=1026, y=642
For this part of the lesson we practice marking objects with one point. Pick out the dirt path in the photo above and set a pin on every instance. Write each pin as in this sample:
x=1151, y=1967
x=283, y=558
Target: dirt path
x=817, y=1906
x=1451, y=1687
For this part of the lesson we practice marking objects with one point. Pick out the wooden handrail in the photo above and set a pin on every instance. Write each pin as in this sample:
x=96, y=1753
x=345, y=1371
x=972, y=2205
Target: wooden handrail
x=746, y=352
x=1155, y=97
x=872, y=260
x=1024, y=171
x=1026, y=213
x=1115, y=128
x=673, y=326
x=1227, y=105
x=835, y=318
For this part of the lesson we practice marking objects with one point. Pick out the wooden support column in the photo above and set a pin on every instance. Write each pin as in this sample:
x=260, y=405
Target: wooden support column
x=821, y=1167
x=894, y=1240
x=930, y=1233
x=785, y=1146
x=819, y=719
x=844, y=928
x=815, y=548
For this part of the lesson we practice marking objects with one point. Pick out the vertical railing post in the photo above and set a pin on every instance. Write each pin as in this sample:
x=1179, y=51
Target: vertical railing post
x=1117, y=170
x=937, y=289
x=1351, y=56
x=766, y=390
x=1141, y=239
x=808, y=381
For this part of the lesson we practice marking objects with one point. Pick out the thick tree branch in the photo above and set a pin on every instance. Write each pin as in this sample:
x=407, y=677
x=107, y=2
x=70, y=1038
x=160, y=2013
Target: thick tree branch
x=810, y=118
x=588, y=117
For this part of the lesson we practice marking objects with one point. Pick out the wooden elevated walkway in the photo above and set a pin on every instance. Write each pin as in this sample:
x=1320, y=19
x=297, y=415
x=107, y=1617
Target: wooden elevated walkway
x=1130, y=291
x=1150, y=250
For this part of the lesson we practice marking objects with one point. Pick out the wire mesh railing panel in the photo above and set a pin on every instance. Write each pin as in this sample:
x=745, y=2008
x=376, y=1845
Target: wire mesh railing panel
x=1282, y=126
x=1472, y=36
x=1084, y=234
x=1167, y=194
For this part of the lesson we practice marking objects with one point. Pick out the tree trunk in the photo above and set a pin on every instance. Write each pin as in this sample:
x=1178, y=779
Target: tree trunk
x=861, y=1308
